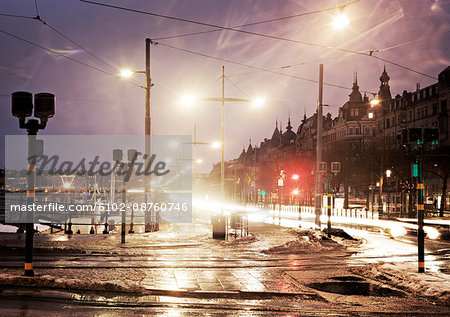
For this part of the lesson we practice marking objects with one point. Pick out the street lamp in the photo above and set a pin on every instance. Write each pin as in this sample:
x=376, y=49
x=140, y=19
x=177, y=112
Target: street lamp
x=189, y=99
x=341, y=20
x=147, y=129
x=388, y=173
x=214, y=145
x=44, y=108
x=374, y=101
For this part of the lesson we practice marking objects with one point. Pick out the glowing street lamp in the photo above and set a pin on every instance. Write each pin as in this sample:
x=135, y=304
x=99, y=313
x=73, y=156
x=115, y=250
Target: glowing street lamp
x=388, y=173
x=189, y=100
x=341, y=20
x=126, y=73
x=374, y=102
x=258, y=102
x=295, y=177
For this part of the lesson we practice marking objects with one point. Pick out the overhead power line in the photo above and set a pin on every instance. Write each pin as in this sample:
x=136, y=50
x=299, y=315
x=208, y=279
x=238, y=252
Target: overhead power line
x=62, y=55
x=249, y=66
x=368, y=54
x=16, y=16
x=38, y=18
x=36, y=6
x=255, y=23
x=76, y=44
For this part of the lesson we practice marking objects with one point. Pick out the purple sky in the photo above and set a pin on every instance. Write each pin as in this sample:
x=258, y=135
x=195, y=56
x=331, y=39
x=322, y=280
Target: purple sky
x=91, y=102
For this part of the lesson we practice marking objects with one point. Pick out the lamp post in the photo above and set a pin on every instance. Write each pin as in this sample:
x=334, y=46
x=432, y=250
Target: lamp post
x=44, y=108
x=222, y=100
x=149, y=226
x=195, y=143
x=318, y=192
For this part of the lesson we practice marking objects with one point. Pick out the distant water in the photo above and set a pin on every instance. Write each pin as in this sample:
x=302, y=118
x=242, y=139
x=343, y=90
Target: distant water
x=13, y=229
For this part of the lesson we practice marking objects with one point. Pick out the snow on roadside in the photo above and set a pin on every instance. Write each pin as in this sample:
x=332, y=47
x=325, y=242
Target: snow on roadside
x=308, y=241
x=48, y=281
x=434, y=285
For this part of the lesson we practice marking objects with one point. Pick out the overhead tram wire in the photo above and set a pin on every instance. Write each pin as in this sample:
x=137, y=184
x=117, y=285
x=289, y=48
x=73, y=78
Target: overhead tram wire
x=255, y=23
x=369, y=54
x=16, y=16
x=36, y=6
x=413, y=41
x=371, y=51
x=241, y=90
x=62, y=55
x=38, y=18
x=216, y=26
x=78, y=45
x=250, y=66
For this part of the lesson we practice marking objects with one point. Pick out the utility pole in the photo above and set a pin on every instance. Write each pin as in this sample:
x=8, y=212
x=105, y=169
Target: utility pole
x=148, y=84
x=420, y=211
x=194, y=174
x=318, y=202
x=222, y=161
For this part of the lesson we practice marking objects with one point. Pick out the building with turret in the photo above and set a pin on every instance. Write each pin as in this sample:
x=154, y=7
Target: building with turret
x=363, y=138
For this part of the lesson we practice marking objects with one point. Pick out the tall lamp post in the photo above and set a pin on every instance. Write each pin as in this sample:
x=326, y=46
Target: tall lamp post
x=195, y=143
x=222, y=99
x=318, y=192
x=44, y=108
x=149, y=226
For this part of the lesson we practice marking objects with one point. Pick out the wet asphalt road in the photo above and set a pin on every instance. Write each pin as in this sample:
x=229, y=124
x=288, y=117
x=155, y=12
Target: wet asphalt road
x=167, y=263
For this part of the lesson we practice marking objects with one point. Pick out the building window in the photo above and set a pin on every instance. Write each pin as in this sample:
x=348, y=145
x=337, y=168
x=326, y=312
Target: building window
x=356, y=112
x=388, y=124
x=435, y=108
x=352, y=112
x=444, y=106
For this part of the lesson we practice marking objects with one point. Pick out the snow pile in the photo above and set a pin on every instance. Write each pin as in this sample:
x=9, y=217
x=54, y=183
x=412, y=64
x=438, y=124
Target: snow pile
x=48, y=281
x=308, y=241
x=434, y=285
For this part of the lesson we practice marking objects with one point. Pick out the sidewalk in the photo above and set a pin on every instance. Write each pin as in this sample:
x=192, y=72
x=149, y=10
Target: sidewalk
x=177, y=258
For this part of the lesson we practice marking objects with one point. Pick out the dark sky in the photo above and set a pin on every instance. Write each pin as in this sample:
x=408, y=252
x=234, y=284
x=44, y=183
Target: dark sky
x=92, y=102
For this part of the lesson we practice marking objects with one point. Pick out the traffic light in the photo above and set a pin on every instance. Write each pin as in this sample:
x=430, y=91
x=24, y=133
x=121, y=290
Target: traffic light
x=415, y=136
x=431, y=137
x=415, y=170
x=418, y=137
